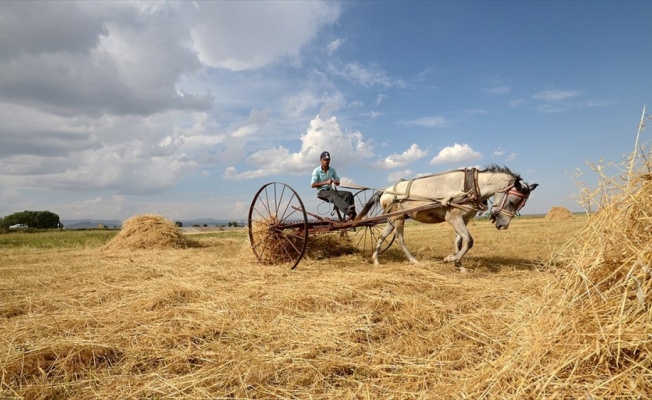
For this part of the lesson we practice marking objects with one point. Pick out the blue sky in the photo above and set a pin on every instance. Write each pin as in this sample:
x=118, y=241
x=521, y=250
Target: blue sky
x=185, y=109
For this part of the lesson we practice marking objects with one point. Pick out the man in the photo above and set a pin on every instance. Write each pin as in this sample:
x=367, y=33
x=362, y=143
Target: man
x=322, y=178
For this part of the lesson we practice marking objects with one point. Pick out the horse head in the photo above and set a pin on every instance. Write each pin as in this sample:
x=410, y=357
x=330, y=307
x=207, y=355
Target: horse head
x=512, y=200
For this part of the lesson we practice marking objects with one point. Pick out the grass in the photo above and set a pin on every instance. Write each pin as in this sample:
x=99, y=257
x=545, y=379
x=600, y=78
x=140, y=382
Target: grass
x=56, y=239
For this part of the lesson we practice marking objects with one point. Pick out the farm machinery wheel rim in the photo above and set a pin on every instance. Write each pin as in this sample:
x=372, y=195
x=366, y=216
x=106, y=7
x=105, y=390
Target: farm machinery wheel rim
x=278, y=226
x=365, y=238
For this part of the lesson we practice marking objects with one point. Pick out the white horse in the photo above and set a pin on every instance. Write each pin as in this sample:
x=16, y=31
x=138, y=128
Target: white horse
x=456, y=197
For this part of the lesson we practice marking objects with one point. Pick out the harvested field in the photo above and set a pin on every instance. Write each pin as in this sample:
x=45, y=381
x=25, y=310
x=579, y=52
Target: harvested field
x=210, y=322
x=552, y=309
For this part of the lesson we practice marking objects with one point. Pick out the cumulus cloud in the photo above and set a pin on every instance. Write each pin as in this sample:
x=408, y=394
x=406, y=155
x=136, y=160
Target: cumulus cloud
x=323, y=134
x=398, y=175
x=395, y=160
x=456, y=154
x=128, y=111
x=107, y=64
x=273, y=30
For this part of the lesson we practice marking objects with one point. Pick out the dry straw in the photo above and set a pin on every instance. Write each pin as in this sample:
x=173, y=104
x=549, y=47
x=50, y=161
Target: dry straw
x=592, y=337
x=211, y=324
x=148, y=231
x=559, y=214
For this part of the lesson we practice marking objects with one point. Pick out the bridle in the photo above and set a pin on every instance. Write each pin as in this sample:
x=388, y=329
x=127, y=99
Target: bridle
x=510, y=189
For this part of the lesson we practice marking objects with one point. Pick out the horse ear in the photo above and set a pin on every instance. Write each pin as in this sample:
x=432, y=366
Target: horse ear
x=533, y=186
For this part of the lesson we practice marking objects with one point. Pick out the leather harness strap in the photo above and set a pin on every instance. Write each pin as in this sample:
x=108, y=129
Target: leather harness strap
x=470, y=190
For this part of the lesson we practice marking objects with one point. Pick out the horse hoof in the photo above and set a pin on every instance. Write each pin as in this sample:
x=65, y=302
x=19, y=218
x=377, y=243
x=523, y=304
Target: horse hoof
x=463, y=270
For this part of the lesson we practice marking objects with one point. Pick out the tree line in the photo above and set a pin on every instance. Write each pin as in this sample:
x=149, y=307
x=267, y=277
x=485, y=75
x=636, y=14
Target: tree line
x=33, y=219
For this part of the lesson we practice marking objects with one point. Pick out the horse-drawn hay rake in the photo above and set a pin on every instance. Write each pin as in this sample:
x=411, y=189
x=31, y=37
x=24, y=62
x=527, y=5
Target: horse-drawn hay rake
x=279, y=225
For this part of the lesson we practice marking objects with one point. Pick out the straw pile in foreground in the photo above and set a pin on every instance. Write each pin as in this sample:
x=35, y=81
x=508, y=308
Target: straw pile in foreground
x=592, y=336
x=148, y=231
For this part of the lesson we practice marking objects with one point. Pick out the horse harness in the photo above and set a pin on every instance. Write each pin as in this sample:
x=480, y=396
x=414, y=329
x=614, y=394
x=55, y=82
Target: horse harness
x=470, y=193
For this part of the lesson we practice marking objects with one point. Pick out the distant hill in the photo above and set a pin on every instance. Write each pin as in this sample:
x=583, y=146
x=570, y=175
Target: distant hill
x=90, y=223
x=110, y=223
x=209, y=222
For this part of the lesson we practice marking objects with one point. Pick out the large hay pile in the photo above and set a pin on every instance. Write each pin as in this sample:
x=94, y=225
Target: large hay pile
x=592, y=337
x=559, y=214
x=278, y=246
x=148, y=231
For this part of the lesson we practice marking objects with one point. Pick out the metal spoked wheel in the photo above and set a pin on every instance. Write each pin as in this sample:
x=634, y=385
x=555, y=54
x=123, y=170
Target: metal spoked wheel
x=365, y=237
x=278, y=226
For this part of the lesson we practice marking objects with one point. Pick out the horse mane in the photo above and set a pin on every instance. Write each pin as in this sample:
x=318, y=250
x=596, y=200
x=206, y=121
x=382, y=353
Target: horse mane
x=501, y=168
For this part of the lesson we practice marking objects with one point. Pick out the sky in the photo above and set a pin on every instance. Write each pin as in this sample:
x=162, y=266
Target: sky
x=185, y=109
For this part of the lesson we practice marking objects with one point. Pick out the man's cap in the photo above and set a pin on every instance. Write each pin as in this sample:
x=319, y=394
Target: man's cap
x=325, y=155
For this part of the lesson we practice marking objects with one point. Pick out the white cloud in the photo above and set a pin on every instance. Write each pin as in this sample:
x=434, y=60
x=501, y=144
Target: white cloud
x=456, y=154
x=413, y=153
x=334, y=45
x=365, y=76
x=429, y=122
x=112, y=58
x=398, y=175
x=499, y=152
x=373, y=114
x=247, y=35
x=555, y=95
x=323, y=134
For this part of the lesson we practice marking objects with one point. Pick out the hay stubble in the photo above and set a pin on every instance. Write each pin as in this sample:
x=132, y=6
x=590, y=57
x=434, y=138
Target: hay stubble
x=209, y=321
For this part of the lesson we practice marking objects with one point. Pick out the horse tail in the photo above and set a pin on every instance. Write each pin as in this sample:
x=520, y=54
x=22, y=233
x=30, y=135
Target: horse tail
x=376, y=197
x=373, y=202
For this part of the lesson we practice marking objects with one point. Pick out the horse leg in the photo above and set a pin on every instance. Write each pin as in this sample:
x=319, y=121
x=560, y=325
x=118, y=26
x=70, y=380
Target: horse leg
x=400, y=225
x=458, y=242
x=463, y=242
x=386, y=232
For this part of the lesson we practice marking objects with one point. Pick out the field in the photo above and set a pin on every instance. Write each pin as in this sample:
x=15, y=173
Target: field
x=207, y=321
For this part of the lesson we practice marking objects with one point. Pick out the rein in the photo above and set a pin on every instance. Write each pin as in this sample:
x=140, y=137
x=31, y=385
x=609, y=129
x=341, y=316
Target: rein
x=510, y=189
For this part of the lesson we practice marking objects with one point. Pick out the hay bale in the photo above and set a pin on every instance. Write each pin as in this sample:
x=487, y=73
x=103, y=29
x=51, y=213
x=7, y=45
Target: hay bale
x=559, y=214
x=278, y=246
x=591, y=336
x=148, y=231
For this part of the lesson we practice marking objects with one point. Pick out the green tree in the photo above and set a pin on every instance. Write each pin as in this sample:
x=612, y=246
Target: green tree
x=33, y=219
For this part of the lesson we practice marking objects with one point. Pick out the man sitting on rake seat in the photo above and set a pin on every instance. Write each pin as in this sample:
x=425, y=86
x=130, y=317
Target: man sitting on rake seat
x=322, y=178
